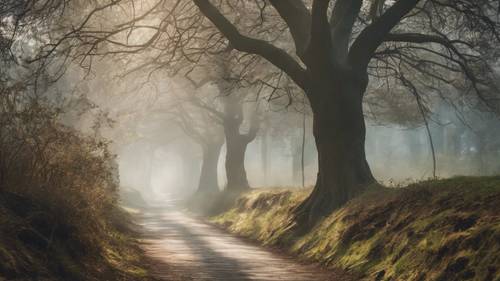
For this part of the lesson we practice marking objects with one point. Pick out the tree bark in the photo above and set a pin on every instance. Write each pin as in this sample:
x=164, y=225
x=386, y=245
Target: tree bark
x=208, y=182
x=236, y=146
x=339, y=131
x=236, y=142
x=334, y=90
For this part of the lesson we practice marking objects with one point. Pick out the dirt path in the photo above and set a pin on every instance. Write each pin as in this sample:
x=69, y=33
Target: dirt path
x=198, y=251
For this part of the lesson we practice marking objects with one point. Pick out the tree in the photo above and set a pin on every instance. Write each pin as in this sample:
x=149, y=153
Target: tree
x=209, y=119
x=200, y=125
x=229, y=113
x=232, y=118
x=337, y=48
x=228, y=107
x=20, y=20
x=422, y=45
x=202, y=131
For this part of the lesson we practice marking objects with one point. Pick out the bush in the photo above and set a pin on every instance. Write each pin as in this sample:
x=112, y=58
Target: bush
x=58, y=194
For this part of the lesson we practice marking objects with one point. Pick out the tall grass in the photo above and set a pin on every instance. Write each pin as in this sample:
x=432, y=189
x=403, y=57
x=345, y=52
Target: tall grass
x=58, y=193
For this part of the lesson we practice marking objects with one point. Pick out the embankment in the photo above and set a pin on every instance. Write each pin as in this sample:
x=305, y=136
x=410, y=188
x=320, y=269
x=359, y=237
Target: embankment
x=433, y=230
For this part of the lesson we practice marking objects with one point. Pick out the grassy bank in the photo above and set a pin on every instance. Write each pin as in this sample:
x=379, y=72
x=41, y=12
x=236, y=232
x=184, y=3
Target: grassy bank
x=59, y=214
x=40, y=242
x=433, y=230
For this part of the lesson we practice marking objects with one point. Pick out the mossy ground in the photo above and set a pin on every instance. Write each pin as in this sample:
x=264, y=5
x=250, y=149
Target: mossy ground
x=36, y=243
x=432, y=230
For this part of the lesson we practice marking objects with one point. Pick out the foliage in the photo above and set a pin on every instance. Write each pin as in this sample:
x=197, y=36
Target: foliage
x=58, y=218
x=39, y=152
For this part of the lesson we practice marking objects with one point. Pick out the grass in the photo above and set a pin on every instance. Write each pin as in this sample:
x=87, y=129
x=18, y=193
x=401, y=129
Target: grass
x=433, y=230
x=35, y=244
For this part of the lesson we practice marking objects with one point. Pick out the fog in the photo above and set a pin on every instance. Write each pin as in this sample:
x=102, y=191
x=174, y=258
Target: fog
x=161, y=161
x=165, y=118
x=154, y=124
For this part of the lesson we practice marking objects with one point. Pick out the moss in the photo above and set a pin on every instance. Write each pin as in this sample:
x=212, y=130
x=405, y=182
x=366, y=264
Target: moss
x=425, y=231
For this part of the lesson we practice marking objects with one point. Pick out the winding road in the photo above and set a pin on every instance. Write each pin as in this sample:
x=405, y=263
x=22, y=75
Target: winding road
x=198, y=251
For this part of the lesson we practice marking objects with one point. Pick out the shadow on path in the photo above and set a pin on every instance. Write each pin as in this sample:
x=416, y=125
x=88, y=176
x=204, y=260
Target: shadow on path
x=199, y=251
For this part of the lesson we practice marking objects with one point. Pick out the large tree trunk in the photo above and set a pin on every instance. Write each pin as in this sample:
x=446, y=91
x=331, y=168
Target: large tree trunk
x=208, y=182
x=236, y=174
x=236, y=143
x=339, y=131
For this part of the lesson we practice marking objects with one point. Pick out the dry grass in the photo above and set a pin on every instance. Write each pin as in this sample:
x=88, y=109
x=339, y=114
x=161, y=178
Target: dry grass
x=433, y=230
x=59, y=218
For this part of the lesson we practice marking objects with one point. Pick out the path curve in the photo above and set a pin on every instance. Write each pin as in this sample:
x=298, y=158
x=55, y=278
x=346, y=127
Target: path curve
x=198, y=251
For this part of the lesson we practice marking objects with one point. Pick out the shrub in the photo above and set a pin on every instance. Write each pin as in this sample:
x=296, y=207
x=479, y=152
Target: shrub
x=58, y=195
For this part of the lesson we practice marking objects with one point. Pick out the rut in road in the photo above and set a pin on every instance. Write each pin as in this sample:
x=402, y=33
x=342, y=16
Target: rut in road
x=198, y=251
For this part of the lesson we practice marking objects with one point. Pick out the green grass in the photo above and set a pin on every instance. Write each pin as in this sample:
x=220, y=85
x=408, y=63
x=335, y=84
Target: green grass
x=433, y=230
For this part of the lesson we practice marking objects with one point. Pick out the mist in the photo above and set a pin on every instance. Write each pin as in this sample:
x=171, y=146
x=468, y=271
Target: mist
x=157, y=158
x=341, y=139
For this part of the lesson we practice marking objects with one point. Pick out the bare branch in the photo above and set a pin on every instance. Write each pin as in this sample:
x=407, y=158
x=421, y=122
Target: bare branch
x=342, y=20
x=298, y=18
x=373, y=35
x=273, y=54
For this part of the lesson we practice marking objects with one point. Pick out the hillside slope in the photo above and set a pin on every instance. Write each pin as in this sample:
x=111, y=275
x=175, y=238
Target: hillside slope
x=40, y=240
x=433, y=230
